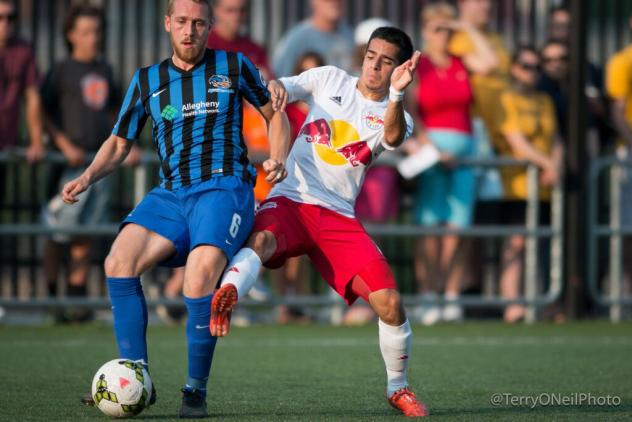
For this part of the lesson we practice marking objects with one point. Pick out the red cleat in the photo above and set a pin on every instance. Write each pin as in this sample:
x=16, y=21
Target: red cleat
x=405, y=400
x=224, y=301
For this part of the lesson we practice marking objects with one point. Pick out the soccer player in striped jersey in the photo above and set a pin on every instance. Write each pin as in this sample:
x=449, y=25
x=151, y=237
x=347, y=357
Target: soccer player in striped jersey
x=203, y=210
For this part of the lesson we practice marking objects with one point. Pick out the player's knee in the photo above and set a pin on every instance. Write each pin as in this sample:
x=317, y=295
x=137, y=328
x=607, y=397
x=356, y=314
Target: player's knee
x=263, y=243
x=117, y=265
x=389, y=307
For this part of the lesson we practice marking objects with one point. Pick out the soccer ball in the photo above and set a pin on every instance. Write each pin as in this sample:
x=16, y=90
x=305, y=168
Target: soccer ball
x=121, y=388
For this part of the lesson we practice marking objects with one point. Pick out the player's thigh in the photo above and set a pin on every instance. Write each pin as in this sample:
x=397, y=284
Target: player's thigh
x=283, y=229
x=161, y=215
x=135, y=250
x=344, y=250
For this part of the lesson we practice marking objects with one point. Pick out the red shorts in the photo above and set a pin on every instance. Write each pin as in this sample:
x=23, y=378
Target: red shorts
x=338, y=246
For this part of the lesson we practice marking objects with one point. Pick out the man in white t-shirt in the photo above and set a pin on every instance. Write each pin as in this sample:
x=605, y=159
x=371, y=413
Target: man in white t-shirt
x=350, y=122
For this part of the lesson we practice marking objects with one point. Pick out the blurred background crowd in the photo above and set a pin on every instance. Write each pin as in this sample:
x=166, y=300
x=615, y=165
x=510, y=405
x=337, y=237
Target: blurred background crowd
x=497, y=81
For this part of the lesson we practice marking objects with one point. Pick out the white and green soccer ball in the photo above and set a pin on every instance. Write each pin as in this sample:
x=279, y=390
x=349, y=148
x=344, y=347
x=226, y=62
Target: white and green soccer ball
x=121, y=388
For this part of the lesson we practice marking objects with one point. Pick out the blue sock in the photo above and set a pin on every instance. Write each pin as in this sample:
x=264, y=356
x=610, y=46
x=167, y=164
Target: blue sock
x=201, y=344
x=130, y=317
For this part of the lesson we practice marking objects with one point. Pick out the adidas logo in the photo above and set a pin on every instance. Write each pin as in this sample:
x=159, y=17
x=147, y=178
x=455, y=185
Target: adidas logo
x=337, y=100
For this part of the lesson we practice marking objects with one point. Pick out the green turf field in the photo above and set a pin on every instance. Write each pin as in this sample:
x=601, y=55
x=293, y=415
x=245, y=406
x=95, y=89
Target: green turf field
x=325, y=373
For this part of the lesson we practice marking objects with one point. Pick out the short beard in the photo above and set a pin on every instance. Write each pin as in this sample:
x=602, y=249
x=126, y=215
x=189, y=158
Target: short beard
x=188, y=55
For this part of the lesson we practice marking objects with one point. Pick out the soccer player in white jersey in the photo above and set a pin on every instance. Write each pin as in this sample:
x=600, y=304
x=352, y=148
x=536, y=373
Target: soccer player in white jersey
x=350, y=122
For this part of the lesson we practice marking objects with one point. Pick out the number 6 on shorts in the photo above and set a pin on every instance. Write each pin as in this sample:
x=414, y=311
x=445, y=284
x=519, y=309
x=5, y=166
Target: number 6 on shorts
x=234, y=225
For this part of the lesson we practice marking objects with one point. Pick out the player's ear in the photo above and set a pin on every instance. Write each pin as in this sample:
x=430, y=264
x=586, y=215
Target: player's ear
x=167, y=23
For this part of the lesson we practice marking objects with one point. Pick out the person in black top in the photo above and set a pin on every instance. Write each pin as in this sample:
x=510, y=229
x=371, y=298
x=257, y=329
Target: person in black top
x=80, y=103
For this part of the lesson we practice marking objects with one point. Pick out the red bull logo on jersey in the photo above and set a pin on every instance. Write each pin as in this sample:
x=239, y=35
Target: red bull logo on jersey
x=373, y=120
x=317, y=132
x=356, y=153
x=336, y=142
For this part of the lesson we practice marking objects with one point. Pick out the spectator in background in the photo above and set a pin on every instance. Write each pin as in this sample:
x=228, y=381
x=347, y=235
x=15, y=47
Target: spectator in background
x=226, y=33
x=556, y=79
x=80, y=108
x=378, y=200
x=487, y=81
x=619, y=89
x=559, y=28
x=324, y=32
x=445, y=194
x=487, y=84
x=19, y=79
x=526, y=131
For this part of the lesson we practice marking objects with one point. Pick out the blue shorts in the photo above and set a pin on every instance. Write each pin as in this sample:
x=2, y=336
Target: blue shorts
x=217, y=212
x=446, y=195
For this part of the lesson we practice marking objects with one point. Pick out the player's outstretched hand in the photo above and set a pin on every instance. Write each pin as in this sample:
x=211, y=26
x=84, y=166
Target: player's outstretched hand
x=403, y=74
x=279, y=95
x=275, y=170
x=73, y=188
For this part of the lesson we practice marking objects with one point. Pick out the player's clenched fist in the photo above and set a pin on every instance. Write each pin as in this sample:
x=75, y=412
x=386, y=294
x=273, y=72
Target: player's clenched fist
x=278, y=94
x=74, y=188
x=403, y=74
x=275, y=171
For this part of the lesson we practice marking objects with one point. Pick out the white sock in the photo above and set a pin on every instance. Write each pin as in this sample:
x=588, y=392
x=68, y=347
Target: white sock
x=395, y=344
x=242, y=271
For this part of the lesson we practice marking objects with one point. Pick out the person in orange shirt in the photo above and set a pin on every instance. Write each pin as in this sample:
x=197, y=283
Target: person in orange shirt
x=526, y=130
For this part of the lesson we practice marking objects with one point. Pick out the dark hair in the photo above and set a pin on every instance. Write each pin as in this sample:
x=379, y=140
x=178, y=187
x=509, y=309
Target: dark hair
x=80, y=11
x=308, y=55
x=397, y=37
x=524, y=48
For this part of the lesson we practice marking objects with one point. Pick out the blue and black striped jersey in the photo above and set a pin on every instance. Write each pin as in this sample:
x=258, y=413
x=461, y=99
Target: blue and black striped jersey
x=196, y=114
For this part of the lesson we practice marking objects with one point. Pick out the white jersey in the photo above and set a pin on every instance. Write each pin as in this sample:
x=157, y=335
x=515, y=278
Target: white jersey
x=342, y=135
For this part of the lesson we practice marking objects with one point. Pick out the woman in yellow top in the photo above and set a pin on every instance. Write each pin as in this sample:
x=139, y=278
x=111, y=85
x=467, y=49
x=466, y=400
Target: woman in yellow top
x=526, y=131
x=487, y=82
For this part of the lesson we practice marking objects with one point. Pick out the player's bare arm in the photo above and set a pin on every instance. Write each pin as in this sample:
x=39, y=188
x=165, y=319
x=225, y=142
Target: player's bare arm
x=394, y=120
x=111, y=154
x=278, y=134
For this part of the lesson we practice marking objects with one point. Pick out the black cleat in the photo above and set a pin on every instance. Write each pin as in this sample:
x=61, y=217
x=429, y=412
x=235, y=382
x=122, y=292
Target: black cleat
x=193, y=404
x=88, y=400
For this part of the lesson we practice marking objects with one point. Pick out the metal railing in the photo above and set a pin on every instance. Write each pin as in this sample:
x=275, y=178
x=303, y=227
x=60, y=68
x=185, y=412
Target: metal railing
x=532, y=230
x=613, y=229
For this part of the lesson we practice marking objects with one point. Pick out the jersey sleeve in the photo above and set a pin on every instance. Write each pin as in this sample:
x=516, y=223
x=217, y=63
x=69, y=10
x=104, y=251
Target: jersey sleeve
x=133, y=115
x=306, y=84
x=251, y=83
